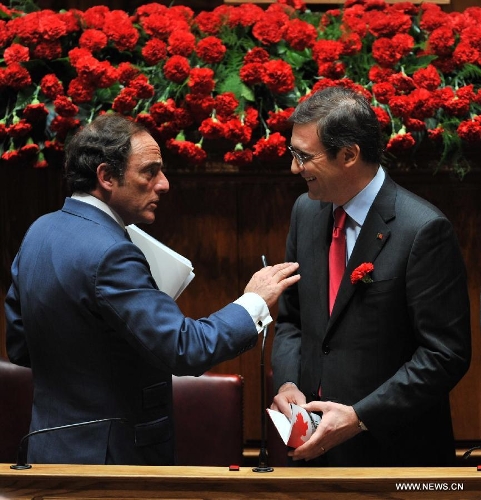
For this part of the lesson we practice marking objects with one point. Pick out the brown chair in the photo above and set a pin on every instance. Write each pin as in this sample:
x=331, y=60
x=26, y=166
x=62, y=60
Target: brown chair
x=208, y=417
x=16, y=392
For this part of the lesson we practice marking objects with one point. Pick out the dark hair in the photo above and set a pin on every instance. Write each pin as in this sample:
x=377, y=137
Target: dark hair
x=344, y=117
x=107, y=139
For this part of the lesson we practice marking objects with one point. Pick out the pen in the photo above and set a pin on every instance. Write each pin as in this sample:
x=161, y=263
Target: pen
x=264, y=260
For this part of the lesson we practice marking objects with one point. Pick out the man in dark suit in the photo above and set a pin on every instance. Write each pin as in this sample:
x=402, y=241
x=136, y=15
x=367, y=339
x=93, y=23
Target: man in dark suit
x=85, y=313
x=379, y=367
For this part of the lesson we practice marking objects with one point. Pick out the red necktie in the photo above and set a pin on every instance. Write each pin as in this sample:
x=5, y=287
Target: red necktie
x=337, y=255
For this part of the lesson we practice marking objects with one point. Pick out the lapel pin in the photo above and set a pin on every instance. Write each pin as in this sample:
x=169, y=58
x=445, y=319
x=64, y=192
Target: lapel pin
x=379, y=236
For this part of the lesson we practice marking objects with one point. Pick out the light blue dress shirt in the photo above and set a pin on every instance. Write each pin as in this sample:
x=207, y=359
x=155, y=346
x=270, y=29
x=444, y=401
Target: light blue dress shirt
x=357, y=209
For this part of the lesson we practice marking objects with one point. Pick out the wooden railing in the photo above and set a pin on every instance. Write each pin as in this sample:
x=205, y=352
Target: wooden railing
x=64, y=482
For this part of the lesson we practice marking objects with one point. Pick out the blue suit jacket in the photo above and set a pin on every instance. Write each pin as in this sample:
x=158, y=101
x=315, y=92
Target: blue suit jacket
x=393, y=348
x=85, y=313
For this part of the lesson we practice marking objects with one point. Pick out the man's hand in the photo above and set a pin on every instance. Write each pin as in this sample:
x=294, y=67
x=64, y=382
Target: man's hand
x=271, y=281
x=338, y=424
x=288, y=393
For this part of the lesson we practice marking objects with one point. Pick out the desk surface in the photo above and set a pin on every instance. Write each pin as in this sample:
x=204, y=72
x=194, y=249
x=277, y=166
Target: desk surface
x=61, y=482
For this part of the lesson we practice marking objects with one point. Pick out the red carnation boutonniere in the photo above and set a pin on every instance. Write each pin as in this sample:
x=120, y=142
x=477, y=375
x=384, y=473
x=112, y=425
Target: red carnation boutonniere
x=361, y=273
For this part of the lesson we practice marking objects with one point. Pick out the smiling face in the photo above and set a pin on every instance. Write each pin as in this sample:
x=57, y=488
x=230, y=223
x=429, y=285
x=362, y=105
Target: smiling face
x=326, y=177
x=135, y=196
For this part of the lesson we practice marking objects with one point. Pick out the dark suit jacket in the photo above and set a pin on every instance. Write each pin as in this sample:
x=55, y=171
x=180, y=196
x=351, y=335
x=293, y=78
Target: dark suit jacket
x=393, y=348
x=85, y=313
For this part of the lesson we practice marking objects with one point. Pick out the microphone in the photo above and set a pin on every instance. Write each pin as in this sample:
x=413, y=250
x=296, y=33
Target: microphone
x=467, y=454
x=22, y=450
x=263, y=467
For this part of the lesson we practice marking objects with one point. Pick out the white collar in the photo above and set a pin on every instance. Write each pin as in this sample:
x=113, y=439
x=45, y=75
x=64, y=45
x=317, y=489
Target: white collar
x=92, y=200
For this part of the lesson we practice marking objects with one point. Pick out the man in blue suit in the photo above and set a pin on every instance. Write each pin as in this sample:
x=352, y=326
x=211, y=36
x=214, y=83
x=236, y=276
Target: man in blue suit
x=85, y=313
x=380, y=366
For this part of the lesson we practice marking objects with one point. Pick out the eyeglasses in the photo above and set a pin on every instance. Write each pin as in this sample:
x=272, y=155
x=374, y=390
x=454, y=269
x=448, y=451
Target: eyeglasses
x=303, y=158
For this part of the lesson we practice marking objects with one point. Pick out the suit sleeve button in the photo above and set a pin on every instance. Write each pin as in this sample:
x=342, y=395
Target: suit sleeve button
x=326, y=349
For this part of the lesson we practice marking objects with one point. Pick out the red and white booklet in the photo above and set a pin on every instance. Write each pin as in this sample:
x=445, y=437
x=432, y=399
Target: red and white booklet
x=297, y=429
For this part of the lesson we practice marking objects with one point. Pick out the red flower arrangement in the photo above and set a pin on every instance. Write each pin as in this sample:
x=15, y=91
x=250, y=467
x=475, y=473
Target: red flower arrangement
x=218, y=86
x=361, y=273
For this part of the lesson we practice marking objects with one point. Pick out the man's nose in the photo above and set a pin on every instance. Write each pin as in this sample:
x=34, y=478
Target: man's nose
x=295, y=167
x=162, y=184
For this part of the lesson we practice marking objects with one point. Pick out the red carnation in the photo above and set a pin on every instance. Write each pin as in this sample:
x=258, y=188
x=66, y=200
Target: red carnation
x=250, y=117
x=361, y=273
x=51, y=86
x=278, y=76
x=268, y=31
x=236, y=131
x=278, y=120
x=327, y=51
x=125, y=101
x=94, y=17
x=252, y=73
x=48, y=50
x=181, y=43
x=239, y=158
x=17, y=77
x=211, y=50
x=211, y=128
x=119, y=29
x=16, y=53
x=382, y=116
x=256, y=55
x=34, y=113
x=192, y=153
x=383, y=92
x=200, y=107
x=201, y=81
x=64, y=106
x=270, y=148
x=400, y=143
x=11, y=157
x=177, y=69
x=127, y=72
x=470, y=131
x=80, y=91
x=427, y=78
x=300, y=35
x=436, y=134
x=93, y=40
x=63, y=126
x=245, y=15
x=19, y=129
x=208, y=22
x=441, y=41
x=154, y=51
x=142, y=88
x=163, y=111
x=226, y=104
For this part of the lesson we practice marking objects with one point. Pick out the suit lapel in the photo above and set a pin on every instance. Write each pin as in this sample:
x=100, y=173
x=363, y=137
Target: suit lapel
x=321, y=240
x=371, y=240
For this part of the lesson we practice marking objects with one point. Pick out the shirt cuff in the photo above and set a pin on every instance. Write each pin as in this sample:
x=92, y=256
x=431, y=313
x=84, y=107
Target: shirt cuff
x=257, y=308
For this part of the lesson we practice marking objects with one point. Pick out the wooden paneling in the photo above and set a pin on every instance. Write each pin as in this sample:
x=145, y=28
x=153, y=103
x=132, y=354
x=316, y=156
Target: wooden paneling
x=223, y=223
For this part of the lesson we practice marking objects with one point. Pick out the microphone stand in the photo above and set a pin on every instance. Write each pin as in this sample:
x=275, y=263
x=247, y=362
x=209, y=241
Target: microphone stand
x=22, y=455
x=263, y=467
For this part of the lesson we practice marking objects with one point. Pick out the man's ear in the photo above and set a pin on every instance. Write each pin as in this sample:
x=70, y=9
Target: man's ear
x=351, y=154
x=104, y=177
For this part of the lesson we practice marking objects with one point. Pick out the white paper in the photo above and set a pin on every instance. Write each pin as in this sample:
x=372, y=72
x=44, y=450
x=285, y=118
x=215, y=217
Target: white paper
x=171, y=271
x=297, y=429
